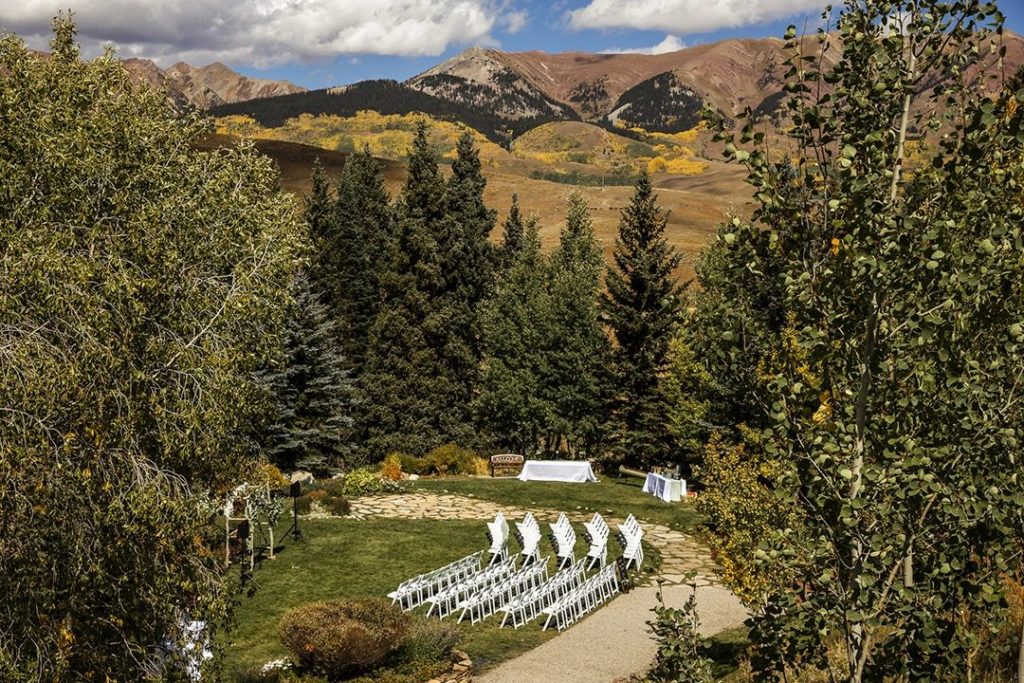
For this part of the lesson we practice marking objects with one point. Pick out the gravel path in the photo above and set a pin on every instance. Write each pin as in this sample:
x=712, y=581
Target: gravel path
x=614, y=641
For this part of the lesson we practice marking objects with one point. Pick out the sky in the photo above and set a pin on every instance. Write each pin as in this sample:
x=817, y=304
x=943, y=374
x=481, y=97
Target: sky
x=320, y=43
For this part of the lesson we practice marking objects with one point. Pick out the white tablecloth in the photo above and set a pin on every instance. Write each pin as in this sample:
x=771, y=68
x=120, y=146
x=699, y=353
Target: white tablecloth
x=669, y=490
x=557, y=470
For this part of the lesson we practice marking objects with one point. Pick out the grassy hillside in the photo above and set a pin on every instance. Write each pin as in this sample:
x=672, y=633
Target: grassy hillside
x=696, y=203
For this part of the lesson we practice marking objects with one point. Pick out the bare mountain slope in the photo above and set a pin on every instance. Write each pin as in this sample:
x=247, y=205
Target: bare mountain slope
x=207, y=86
x=480, y=79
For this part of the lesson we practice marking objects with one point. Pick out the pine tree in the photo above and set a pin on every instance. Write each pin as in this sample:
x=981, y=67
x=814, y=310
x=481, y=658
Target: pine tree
x=311, y=390
x=356, y=249
x=467, y=260
x=407, y=392
x=512, y=235
x=579, y=348
x=641, y=307
x=516, y=321
x=318, y=204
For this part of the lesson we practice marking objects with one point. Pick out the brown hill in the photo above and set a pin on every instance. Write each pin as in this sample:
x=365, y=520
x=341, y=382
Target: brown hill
x=215, y=84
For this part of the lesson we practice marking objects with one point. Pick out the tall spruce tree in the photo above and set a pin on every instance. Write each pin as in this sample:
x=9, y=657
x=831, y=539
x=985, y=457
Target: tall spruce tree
x=318, y=204
x=512, y=405
x=356, y=248
x=641, y=306
x=408, y=392
x=311, y=390
x=512, y=235
x=467, y=261
x=579, y=349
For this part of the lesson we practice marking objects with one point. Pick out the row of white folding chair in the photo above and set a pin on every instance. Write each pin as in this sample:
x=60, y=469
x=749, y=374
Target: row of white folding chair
x=485, y=602
x=529, y=537
x=414, y=591
x=446, y=601
x=632, y=542
x=498, y=533
x=597, y=532
x=583, y=599
x=528, y=606
x=563, y=538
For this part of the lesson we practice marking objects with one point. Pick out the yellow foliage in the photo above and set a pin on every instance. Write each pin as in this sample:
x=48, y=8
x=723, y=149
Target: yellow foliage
x=391, y=468
x=387, y=135
x=657, y=165
x=684, y=166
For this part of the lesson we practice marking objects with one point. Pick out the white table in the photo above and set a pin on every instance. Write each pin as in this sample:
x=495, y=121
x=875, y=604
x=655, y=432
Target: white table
x=669, y=490
x=557, y=470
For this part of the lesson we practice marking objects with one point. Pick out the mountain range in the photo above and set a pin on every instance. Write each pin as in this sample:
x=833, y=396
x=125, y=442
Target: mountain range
x=207, y=86
x=505, y=94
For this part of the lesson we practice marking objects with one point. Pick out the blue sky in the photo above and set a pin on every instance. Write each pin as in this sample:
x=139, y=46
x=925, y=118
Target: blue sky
x=318, y=43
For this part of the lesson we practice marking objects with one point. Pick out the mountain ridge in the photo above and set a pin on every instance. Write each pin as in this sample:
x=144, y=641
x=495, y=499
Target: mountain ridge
x=205, y=86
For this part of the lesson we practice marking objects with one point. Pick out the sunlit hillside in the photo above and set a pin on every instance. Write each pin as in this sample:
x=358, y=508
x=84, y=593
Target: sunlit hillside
x=388, y=136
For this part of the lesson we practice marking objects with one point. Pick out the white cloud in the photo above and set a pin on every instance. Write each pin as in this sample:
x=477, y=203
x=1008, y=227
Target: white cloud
x=264, y=32
x=683, y=17
x=515, y=21
x=669, y=44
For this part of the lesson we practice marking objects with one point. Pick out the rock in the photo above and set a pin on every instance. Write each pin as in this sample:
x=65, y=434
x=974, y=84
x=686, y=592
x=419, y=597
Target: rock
x=302, y=476
x=413, y=477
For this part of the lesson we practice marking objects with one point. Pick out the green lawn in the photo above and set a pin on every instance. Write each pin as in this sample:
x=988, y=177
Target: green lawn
x=610, y=496
x=348, y=558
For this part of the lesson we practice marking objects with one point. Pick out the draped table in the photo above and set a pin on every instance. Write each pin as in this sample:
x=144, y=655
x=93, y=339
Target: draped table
x=557, y=470
x=669, y=490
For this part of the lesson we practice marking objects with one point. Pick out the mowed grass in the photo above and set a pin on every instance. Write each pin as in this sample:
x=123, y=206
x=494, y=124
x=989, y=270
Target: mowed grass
x=343, y=558
x=611, y=496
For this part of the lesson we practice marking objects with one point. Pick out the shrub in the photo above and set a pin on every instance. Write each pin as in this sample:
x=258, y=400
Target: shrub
x=364, y=481
x=342, y=637
x=430, y=641
x=451, y=459
x=391, y=468
x=680, y=657
x=337, y=506
x=412, y=465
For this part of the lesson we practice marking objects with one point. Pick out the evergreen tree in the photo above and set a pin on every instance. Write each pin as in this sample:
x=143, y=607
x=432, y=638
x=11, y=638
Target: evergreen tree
x=407, y=391
x=356, y=248
x=641, y=307
x=318, y=205
x=512, y=405
x=311, y=389
x=512, y=234
x=579, y=348
x=467, y=260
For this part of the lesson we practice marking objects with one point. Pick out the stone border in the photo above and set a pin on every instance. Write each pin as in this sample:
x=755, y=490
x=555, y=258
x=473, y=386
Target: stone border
x=461, y=671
